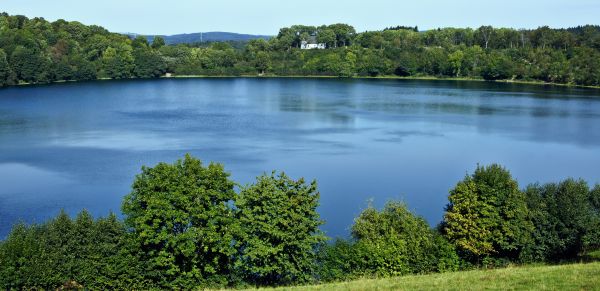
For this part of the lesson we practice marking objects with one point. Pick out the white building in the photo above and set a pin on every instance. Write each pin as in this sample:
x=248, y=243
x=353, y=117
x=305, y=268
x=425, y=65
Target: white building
x=311, y=44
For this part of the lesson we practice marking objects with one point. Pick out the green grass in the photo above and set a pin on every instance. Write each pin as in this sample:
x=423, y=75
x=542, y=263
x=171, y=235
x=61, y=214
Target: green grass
x=563, y=277
x=595, y=255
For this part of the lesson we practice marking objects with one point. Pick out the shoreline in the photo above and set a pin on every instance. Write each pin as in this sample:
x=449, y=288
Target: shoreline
x=386, y=77
x=389, y=77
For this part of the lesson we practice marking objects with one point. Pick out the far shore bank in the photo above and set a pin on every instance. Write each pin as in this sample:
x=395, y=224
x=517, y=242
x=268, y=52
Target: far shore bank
x=390, y=77
x=384, y=77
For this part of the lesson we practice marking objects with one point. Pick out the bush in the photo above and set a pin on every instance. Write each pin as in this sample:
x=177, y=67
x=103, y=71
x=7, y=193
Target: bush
x=84, y=251
x=279, y=226
x=566, y=218
x=182, y=222
x=396, y=242
x=487, y=216
x=390, y=242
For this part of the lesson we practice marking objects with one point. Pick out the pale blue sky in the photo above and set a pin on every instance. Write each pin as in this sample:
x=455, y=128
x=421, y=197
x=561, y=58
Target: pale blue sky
x=267, y=16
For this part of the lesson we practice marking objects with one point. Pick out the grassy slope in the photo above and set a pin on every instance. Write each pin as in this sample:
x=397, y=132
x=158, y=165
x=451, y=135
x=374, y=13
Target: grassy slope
x=565, y=277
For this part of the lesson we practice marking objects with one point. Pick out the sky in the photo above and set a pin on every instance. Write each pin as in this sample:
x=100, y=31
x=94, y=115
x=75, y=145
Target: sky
x=267, y=16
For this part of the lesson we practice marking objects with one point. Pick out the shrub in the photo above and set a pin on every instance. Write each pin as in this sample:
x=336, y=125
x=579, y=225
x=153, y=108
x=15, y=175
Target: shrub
x=182, y=222
x=279, y=226
x=487, y=216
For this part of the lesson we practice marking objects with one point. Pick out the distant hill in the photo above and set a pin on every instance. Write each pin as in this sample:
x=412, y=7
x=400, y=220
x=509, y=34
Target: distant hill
x=205, y=37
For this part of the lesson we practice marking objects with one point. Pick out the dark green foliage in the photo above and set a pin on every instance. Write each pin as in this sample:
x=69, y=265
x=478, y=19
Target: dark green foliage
x=7, y=77
x=390, y=242
x=396, y=242
x=158, y=42
x=565, y=216
x=262, y=62
x=140, y=42
x=279, y=227
x=487, y=216
x=38, y=51
x=497, y=67
x=29, y=65
x=182, y=223
x=373, y=64
x=339, y=261
x=402, y=27
x=84, y=70
x=117, y=63
x=591, y=240
x=585, y=66
x=148, y=63
x=62, y=70
x=186, y=228
x=87, y=251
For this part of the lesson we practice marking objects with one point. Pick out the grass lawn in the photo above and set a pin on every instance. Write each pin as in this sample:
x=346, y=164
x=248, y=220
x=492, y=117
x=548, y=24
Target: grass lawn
x=564, y=277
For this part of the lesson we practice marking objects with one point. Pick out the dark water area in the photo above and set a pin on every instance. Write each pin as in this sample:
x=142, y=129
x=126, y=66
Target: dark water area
x=79, y=145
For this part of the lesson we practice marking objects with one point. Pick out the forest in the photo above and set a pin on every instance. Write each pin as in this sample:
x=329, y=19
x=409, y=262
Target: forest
x=35, y=51
x=188, y=225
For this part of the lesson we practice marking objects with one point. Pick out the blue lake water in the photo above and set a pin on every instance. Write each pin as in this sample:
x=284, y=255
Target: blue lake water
x=79, y=145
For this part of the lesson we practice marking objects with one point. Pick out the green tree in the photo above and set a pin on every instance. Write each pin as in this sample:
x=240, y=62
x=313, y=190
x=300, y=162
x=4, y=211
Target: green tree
x=339, y=261
x=591, y=239
x=24, y=262
x=29, y=65
x=373, y=64
x=456, y=61
x=7, y=76
x=62, y=70
x=158, y=42
x=181, y=220
x=498, y=67
x=565, y=220
x=148, y=63
x=348, y=67
x=485, y=35
x=140, y=41
x=262, y=62
x=286, y=38
x=279, y=226
x=585, y=66
x=326, y=36
x=487, y=216
x=344, y=34
x=395, y=242
x=84, y=69
x=473, y=61
x=118, y=63
x=64, y=251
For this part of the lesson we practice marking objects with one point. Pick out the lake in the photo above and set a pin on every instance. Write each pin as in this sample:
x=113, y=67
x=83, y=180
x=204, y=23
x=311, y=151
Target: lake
x=79, y=145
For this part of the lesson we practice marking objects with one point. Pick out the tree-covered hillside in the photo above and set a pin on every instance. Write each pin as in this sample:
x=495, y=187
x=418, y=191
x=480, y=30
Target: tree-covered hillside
x=38, y=51
x=213, y=36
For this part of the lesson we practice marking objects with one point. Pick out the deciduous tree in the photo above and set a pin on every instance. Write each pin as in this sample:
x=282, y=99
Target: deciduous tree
x=487, y=216
x=279, y=226
x=181, y=220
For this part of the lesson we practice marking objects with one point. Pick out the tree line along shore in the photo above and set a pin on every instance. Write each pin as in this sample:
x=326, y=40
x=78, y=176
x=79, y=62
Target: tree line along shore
x=35, y=51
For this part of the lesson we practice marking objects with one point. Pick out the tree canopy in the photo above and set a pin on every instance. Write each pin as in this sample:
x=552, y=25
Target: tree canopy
x=38, y=51
x=279, y=230
x=487, y=216
x=180, y=217
x=187, y=226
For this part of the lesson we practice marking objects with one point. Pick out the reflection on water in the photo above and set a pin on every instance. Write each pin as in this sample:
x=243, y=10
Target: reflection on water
x=79, y=145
